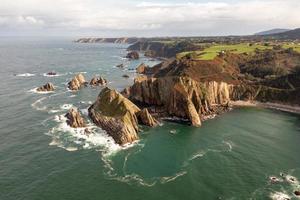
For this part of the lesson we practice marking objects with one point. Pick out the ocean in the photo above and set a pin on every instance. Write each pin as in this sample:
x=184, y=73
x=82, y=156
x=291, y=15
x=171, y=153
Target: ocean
x=233, y=156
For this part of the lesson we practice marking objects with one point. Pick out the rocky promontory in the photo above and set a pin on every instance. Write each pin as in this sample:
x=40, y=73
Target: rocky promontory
x=77, y=82
x=118, y=116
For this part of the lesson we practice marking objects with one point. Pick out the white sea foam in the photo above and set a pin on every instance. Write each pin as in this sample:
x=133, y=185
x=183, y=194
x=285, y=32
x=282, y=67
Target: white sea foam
x=172, y=178
x=66, y=106
x=25, y=75
x=97, y=138
x=292, y=180
x=34, y=90
x=37, y=104
x=279, y=196
x=72, y=96
x=197, y=155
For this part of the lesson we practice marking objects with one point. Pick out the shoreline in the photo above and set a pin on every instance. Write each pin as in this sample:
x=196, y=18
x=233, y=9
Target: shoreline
x=269, y=105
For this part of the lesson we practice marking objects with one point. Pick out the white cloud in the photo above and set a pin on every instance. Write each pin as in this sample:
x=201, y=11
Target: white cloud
x=150, y=18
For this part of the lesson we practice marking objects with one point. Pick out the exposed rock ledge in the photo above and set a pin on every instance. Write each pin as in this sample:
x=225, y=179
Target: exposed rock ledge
x=118, y=116
x=77, y=82
x=133, y=55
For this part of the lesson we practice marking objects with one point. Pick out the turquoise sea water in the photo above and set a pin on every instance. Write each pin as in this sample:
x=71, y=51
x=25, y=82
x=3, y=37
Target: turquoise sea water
x=230, y=157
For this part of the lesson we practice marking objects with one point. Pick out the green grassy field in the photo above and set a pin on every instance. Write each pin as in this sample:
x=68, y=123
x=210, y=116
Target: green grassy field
x=211, y=52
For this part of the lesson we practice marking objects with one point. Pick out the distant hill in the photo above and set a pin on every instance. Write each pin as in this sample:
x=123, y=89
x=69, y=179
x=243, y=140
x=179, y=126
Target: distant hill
x=272, y=31
x=290, y=35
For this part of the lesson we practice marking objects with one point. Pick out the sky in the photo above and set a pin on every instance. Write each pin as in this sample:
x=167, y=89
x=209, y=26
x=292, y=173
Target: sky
x=112, y=18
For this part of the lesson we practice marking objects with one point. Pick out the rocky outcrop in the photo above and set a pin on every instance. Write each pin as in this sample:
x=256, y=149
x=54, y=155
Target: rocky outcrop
x=77, y=82
x=145, y=118
x=46, y=88
x=134, y=55
x=98, y=81
x=117, y=116
x=141, y=68
x=182, y=96
x=74, y=119
x=51, y=73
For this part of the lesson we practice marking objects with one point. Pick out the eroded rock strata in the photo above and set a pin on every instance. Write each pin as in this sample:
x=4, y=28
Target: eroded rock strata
x=118, y=116
x=77, y=82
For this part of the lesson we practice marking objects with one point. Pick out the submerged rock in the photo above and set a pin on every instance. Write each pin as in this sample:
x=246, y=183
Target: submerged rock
x=125, y=76
x=46, y=88
x=133, y=55
x=120, y=66
x=51, y=73
x=77, y=82
x=98, y=81
x=297, y=193
x=145, y=118
x=74, y=119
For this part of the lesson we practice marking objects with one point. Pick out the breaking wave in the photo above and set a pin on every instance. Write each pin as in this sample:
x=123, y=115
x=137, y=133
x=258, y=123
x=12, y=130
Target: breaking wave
x=25, y=75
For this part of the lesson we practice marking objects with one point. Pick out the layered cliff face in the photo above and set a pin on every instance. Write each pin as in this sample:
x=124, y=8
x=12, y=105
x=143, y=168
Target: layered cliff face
x=123, y=40
x=181, y=96
x=118, y=116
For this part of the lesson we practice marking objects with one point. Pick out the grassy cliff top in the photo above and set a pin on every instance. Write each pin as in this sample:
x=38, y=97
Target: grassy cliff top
x=211, y=52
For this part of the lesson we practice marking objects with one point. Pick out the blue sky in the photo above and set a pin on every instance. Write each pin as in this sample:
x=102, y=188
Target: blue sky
x=112, y=18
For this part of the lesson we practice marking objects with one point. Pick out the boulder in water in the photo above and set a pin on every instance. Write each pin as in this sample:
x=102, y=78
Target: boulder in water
x=51, y=73
x=98, y=81
x=74, y=119
x=125, y=76
x=46, y=88
x=120, y=66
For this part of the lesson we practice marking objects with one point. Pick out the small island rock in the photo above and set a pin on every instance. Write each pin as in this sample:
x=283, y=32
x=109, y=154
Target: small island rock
x=77, y=82
x=98, y=81
x=46, y=88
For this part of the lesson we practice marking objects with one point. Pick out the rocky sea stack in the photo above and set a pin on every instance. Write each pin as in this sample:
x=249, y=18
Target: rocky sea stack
x=134, y=55
x=46, y=88
x=74, y=119
x=77, y=82
x=98, y=81
x=117, y=115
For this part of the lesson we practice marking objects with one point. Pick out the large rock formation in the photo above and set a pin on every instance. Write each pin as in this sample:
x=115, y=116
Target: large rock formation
x=181, y=96
x=98, y=81
x=77, y=82
x=117, y=116
x=133, y=55
x=74, y=119
x=46, y=88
